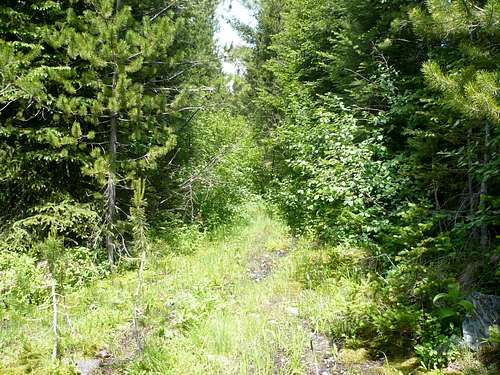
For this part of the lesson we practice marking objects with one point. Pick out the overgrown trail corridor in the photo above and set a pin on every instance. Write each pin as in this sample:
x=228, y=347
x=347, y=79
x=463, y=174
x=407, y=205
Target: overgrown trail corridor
x=233, y=307
x=236, y=304
x=239, y=305
x=249, y=187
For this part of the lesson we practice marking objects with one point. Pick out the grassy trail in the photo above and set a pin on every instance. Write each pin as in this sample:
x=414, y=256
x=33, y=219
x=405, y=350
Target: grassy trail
x=229, y=305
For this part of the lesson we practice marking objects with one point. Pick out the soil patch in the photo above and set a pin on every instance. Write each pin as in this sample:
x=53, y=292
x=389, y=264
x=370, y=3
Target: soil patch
x=260, y=267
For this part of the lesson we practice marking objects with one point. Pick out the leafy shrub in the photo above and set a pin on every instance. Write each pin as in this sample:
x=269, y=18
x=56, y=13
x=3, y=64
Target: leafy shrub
x=24, y=278
x=219, y=174
x=22, y=281
x=333, y=180
x=490, y=351
x=67, y=218
x=82, y=266
x=438, y=352
x=392, y=329
x=452, y=306
x=494, y=338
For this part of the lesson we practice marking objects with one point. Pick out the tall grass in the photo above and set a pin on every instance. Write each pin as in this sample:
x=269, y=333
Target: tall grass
x=202, y=313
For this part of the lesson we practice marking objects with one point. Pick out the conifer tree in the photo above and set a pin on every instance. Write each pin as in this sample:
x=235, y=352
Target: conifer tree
x=126, y=98
x=91, y=92
x=40, y=156
x=466, y=32
x=132, y=58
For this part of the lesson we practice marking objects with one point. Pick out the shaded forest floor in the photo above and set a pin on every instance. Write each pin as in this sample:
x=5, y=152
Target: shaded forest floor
x=237, y=303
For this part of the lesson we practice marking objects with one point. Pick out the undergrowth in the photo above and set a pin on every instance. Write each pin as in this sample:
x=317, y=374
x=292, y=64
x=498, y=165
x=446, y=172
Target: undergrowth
x=202, y=313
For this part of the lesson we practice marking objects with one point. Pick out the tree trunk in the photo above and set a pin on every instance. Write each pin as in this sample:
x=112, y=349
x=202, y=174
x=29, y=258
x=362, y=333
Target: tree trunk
x=55, y=319
x=484, y=241
x=470, y=176
x=111, y=189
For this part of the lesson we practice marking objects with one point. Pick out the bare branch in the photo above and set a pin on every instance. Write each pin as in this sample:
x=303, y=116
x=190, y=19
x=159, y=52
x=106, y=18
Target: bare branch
x=163, y=11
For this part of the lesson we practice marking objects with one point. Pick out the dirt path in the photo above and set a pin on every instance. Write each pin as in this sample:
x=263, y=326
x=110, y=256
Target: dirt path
x=261, y=329
x=318, y=354
x=229, y=305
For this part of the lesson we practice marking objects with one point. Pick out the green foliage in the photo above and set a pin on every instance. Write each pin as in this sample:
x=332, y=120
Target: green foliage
x=82, y=267
x=380, y=121
x=34, y=247
x=73, y=71
x=67, y=218
x=318, y=266
x=371, y=123
x=218, y=177
x=333, y=174
x=138, y=218
x=491, y=350
x=22, y=280
x=395, y=328
x=494, y=338
x=438, y=352
x=454, y=303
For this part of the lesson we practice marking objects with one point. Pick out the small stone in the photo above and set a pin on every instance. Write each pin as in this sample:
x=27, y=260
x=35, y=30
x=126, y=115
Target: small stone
x=293, y=311
x=87, y=366
x=104, y=354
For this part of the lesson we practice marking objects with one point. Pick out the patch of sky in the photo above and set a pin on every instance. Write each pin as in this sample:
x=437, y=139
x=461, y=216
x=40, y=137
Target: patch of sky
x=227, y=36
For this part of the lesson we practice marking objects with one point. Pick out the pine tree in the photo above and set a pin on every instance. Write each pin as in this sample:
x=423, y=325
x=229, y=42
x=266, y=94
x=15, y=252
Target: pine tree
x=91, y=95
x=40, y=156
x=465, y=33
x=126, y=96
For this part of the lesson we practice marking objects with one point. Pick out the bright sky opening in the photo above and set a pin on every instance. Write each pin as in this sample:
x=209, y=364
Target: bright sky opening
x=227, y=36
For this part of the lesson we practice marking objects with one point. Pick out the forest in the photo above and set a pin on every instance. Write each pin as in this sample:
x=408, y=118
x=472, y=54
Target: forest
x=333, y=207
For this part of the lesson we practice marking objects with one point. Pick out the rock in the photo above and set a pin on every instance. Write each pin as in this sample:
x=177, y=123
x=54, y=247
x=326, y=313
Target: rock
x=476, y=325
x=281, y=253
x=87, y=366
x=104, y=354
x=260, y=267
x=293, y=311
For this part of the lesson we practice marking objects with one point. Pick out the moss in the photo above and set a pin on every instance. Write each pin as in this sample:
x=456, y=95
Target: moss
x=354, y=356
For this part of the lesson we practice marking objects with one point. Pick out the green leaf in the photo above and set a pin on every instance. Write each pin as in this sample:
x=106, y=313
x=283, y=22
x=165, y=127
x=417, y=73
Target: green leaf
x=446, y=312
x=76, y=131
x=468, y=306
x=454, y=290
x=439, y=296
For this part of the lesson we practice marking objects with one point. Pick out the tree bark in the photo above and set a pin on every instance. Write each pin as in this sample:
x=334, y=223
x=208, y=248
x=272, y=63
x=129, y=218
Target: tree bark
x=470, y=177
x=55, y=319
x=111, y=189
x=484, y=241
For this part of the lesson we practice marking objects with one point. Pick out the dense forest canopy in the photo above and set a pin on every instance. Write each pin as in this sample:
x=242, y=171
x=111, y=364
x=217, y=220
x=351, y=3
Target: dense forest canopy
x=370, y=127
x=382, y=117
x=380, y=121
